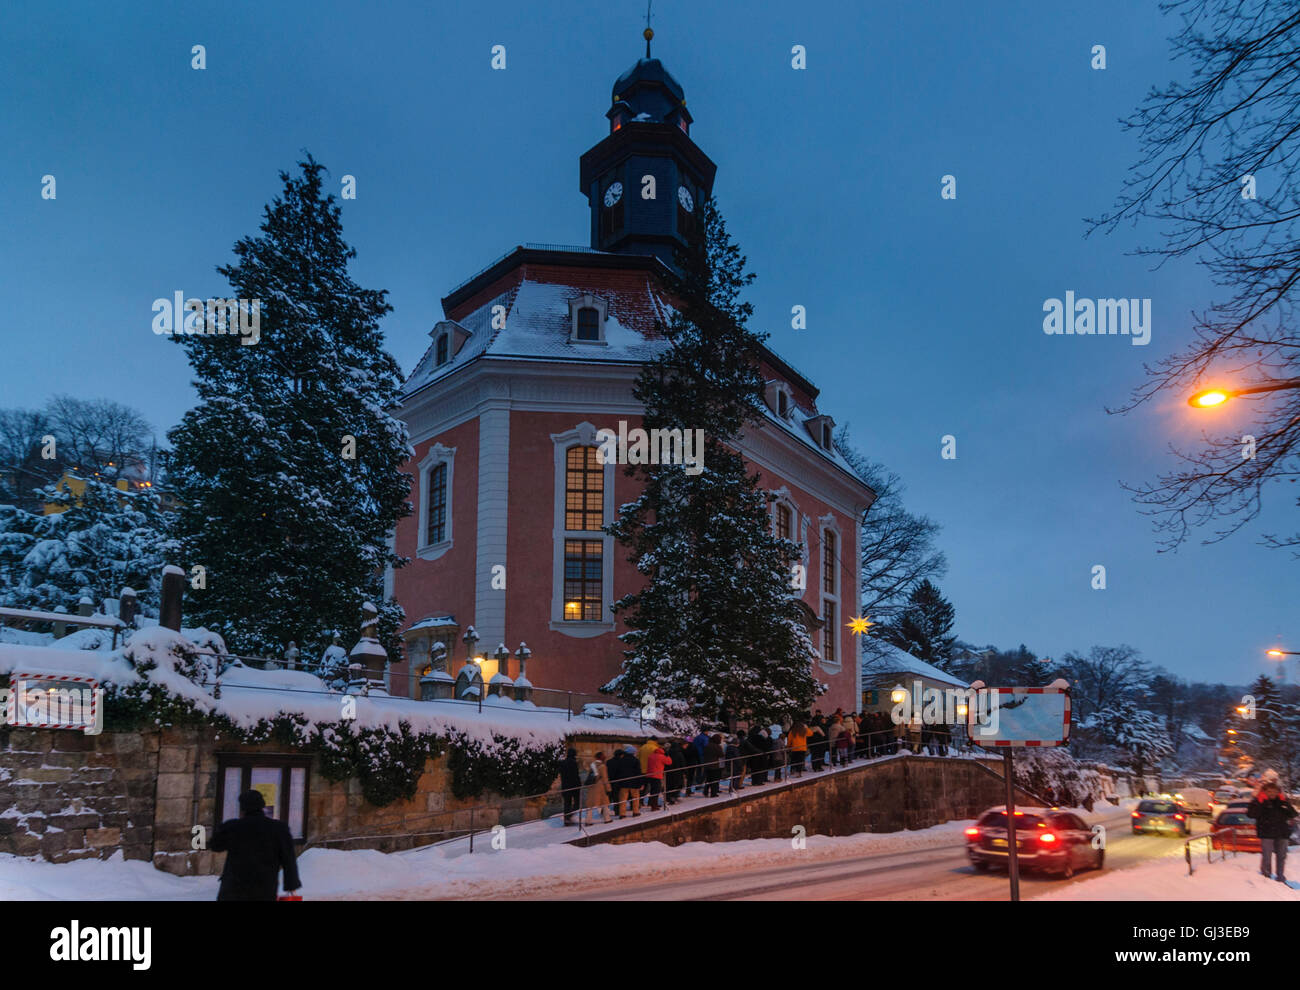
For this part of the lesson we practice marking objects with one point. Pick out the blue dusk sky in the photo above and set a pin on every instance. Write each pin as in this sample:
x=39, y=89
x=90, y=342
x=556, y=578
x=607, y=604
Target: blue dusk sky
x=924, y=314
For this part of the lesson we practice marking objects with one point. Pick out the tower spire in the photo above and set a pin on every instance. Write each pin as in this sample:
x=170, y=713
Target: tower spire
x=648, y=33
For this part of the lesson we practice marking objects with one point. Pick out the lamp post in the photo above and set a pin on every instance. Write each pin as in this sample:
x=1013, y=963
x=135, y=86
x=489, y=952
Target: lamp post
x=1281, y=655
x=1207, y=398
x=523, y=686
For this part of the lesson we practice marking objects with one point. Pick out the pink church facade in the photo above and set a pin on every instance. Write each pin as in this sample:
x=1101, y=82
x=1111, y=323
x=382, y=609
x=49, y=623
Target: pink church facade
x=534, y=356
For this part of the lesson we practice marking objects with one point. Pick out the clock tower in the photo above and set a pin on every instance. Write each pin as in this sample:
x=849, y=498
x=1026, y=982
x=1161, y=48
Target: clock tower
x=646, y=182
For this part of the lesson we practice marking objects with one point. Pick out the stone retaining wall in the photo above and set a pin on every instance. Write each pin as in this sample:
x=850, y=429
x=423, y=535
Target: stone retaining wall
x=68, y=796
x=887, y=796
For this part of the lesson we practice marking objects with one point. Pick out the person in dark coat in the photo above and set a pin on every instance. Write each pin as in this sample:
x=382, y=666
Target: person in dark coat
x=713, y=756
x=676, y=772
x=570, y=785
x=629, y=788
x=817, y=742
x=758, y=765
x=1273, y=815
x=735, y=765
x=257, y=848
x=701, y=740
x=691, y=762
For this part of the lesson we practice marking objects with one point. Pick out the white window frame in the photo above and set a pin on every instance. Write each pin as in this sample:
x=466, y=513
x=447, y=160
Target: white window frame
x=798, y=523
x=588, y=301
x=583, y=435
x=828, y=522
x=437, y=454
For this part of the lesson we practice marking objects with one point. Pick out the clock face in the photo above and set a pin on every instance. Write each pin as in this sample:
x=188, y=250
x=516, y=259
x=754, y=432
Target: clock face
x=614, y=193
x=684, y=197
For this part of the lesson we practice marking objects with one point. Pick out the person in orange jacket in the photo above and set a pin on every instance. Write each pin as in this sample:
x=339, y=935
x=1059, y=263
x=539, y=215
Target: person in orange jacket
x=655, y=763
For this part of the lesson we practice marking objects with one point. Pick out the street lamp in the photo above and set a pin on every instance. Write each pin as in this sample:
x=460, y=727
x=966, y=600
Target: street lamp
x=1284, y=653
x=1207, y=398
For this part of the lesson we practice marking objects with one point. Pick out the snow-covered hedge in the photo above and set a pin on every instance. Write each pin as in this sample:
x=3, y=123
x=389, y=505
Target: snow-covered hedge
x=164, y=678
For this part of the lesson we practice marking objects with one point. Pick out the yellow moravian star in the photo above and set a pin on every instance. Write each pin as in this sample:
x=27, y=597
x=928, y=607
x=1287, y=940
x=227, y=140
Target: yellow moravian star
x=860, y=626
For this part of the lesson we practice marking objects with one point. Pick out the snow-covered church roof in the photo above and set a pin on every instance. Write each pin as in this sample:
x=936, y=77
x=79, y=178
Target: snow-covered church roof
x=534, y=286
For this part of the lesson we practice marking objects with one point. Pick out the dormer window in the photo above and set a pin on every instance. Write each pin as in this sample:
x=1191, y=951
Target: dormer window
x=821, y=429
x=779, y=398
x=442, y=351
x=588, y=314
x=588, y=324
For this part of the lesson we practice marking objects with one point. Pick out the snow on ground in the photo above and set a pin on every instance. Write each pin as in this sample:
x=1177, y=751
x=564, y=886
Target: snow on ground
x=434, y=872
x=1166, y=879
x=537, y=861
x=97, y=880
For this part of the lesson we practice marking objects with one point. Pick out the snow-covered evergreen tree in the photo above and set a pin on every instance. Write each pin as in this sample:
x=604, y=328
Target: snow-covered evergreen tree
x=1140, y=735
x=717, y=623
x=103, y=540
x=289, y=470
x=924, y=629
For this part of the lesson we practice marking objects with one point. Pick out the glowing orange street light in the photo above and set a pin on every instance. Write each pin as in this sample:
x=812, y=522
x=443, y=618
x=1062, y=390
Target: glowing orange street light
x=1283, y=653
x=1207, y=398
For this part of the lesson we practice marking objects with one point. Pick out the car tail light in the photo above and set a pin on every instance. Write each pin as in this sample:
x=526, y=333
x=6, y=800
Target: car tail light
x=1178, y=818
x=972, y=831
x=1047, y=837
x=1137, y=814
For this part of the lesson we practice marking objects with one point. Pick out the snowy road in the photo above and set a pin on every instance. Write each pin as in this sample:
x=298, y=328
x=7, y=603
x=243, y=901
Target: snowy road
x=938, y=873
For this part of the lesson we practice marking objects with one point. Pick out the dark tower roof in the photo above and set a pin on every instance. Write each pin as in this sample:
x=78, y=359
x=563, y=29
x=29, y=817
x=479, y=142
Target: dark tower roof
x=648, y=88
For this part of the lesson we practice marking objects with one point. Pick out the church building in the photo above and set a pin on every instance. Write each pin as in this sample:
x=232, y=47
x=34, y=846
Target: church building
x=534, y=355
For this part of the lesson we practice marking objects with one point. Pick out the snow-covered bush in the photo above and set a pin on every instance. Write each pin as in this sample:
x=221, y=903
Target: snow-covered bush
x=1054, y=775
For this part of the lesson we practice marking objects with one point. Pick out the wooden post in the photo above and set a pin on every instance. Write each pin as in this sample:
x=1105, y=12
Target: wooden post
x=173, y=590
x=128, y=607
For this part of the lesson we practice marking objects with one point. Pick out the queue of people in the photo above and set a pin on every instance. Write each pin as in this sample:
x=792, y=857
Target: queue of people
x=619, y=783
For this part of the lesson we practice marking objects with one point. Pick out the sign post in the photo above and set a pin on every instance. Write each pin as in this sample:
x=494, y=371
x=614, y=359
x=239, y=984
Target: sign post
x=1007, y=717
x=1013, y=860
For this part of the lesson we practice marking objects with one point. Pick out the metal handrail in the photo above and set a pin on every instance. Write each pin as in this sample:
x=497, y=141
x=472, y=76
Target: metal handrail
x=27, y=616
x=1209, y=846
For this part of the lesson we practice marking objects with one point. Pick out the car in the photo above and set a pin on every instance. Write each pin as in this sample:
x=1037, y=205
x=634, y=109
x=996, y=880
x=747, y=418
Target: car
x=1197, y=800
x=1048, y=840
x=1234, y=829
x=1155, y=815
x=1230, y=794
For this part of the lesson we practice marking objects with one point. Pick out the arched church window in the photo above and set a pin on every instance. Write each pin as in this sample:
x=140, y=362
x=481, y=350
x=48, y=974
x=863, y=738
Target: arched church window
x=437, y=529
x=782, y=522
x=584, y=513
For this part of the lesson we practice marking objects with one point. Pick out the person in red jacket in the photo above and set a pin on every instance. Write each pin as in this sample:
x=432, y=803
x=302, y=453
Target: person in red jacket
x=655, y=764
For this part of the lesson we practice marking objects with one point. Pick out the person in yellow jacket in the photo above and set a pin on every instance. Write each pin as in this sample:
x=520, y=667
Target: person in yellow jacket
x=643, y=754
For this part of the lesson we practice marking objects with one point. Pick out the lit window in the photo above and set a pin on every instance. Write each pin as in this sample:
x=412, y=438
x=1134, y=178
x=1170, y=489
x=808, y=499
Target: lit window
x=828, y=562
x=829, y=632
x=437, y=524
x=588, y=324
x=782, y=522
x=584, y=491
x=441, y=357
x=583, y=564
